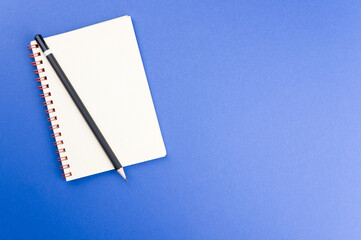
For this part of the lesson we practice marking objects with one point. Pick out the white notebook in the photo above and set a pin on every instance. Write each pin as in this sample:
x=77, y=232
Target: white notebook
x=104, y=65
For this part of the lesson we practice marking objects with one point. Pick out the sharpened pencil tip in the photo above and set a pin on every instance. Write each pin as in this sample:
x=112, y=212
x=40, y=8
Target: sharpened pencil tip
x=122, y=173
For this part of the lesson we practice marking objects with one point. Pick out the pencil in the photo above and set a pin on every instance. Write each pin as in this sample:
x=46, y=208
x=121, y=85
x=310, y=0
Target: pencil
x=78, y=102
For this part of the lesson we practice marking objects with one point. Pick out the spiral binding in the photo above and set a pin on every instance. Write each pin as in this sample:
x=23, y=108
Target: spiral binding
x=43, y=85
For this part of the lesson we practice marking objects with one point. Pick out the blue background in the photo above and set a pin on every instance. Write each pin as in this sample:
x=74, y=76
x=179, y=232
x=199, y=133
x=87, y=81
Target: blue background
x=259, y=105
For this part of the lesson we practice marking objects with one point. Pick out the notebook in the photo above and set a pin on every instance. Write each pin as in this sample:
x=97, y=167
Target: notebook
x=103, y=63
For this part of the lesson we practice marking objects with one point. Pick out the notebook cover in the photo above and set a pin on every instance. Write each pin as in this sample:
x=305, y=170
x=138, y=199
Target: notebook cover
x=104, y=65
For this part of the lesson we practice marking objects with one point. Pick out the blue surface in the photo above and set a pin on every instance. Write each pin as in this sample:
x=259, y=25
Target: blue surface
x=259, y=105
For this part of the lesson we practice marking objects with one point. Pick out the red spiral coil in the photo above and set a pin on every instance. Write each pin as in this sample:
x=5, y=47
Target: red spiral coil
x=35, y=55
x=33, y=46
x=42, y=87
x=58, y=143
x=50, y=119
x=61, y=150
x=36, y=63
x=65, y=175
x=41, y=70
x=41, y=79
x=55, y=126
x=60, y=159
x=49, y=110
x=54, y=135
x=47, y=103
x=64, y=166
x=44, y=95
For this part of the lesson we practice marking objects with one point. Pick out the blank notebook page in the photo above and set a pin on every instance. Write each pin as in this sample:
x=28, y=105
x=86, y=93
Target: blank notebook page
x=104, y=65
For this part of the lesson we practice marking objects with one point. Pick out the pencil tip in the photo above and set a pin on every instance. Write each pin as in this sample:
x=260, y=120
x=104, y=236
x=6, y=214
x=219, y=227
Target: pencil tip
x=122, y=173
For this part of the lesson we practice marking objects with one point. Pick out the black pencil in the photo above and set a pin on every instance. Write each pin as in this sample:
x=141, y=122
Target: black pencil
x=63, y=78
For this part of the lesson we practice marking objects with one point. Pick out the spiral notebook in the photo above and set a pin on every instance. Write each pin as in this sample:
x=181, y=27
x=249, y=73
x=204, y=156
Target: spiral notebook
x=104, y=65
